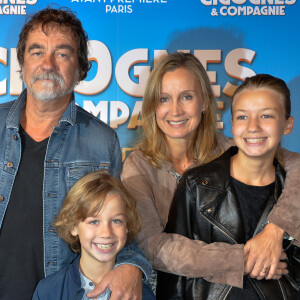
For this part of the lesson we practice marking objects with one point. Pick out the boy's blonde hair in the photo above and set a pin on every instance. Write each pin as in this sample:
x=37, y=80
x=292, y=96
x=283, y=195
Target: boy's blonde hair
x=86, y=198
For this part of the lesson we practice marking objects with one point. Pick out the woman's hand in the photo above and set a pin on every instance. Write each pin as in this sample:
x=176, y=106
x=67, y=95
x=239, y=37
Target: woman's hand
x=263, y=252
x=280, y=270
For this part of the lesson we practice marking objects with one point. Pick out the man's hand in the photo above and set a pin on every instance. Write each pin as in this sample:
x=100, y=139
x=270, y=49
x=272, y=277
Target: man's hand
x=262, y=253
x=124, y=281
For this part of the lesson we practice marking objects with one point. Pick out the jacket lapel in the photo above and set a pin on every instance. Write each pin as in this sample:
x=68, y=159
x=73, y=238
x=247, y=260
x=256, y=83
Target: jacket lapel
x=221, y=207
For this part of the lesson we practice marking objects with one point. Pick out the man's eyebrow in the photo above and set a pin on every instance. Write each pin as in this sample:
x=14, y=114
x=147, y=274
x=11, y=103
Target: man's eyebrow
x=61, y=46
x=35, y=46
x=65, y=46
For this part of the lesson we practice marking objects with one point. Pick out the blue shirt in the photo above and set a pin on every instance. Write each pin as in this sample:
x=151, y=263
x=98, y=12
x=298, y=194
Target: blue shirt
x=88, y=286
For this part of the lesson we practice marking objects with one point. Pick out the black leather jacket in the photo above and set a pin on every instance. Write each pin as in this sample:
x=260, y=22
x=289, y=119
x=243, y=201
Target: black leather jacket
x=205, y=208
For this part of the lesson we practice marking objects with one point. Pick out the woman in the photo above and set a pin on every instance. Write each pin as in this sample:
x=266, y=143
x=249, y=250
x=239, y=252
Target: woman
x=247, y=181
x=179, y=133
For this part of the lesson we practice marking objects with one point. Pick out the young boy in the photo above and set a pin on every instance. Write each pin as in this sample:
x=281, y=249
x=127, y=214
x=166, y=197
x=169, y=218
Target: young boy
x=228, y=200
x=97, y=219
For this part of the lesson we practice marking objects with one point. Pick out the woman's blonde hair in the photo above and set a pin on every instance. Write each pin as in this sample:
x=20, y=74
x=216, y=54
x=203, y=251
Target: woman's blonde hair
x=153, y=145
x=86, y=198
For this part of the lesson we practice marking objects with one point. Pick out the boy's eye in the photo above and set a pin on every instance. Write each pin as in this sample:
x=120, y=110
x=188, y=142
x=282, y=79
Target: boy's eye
x=117, y=221
x=94, y=222
x=241, y=117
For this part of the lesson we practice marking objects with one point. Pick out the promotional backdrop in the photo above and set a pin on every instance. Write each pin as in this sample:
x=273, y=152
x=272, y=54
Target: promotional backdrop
x=232, y=38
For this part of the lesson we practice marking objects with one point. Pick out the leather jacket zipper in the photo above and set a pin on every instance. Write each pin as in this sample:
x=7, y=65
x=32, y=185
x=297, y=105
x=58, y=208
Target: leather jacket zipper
x=282, y=290
x=230, y=287
x=256, y=288
x=218, y=228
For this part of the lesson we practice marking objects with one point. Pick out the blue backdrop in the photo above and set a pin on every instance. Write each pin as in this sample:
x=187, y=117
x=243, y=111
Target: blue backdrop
x=232, y=38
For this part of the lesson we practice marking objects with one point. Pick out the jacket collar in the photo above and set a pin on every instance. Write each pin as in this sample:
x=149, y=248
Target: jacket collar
x=216, y=174
x=74, y=271
x=222, y=200
x=14, y=115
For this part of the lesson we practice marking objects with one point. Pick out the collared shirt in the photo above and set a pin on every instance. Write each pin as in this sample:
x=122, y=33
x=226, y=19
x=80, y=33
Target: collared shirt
x=88, y=286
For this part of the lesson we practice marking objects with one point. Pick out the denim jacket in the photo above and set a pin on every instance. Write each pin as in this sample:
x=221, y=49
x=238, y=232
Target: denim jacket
x=80, y=144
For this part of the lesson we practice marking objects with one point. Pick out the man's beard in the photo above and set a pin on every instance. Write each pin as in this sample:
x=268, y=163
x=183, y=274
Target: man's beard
x=51, y=90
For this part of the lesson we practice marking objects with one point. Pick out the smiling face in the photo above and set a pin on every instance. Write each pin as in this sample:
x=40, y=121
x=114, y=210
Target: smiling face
x=258, y=122
x=50, y=69
x=104, y=235
x=178, y=114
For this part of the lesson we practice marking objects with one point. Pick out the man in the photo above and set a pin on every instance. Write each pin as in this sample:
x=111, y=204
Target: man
x=47, y=144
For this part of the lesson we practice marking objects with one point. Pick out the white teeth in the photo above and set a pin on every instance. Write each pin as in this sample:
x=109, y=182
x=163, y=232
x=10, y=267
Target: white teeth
x=104, y=246
x=178, y=122
x=255, y=140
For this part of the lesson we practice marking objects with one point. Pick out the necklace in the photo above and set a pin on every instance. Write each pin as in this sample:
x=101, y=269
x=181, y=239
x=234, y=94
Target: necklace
x=180, y=168
x=188, y=164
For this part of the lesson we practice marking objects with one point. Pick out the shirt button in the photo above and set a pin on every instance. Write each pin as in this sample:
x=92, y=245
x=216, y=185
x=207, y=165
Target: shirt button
x=1, y=198
x=91, y=284
x=15, y=137
x=10, y=164
x=204, y=182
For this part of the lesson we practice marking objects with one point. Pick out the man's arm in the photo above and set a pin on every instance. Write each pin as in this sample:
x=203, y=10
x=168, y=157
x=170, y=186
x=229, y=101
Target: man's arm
x=116, y=162
x=132, y=255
